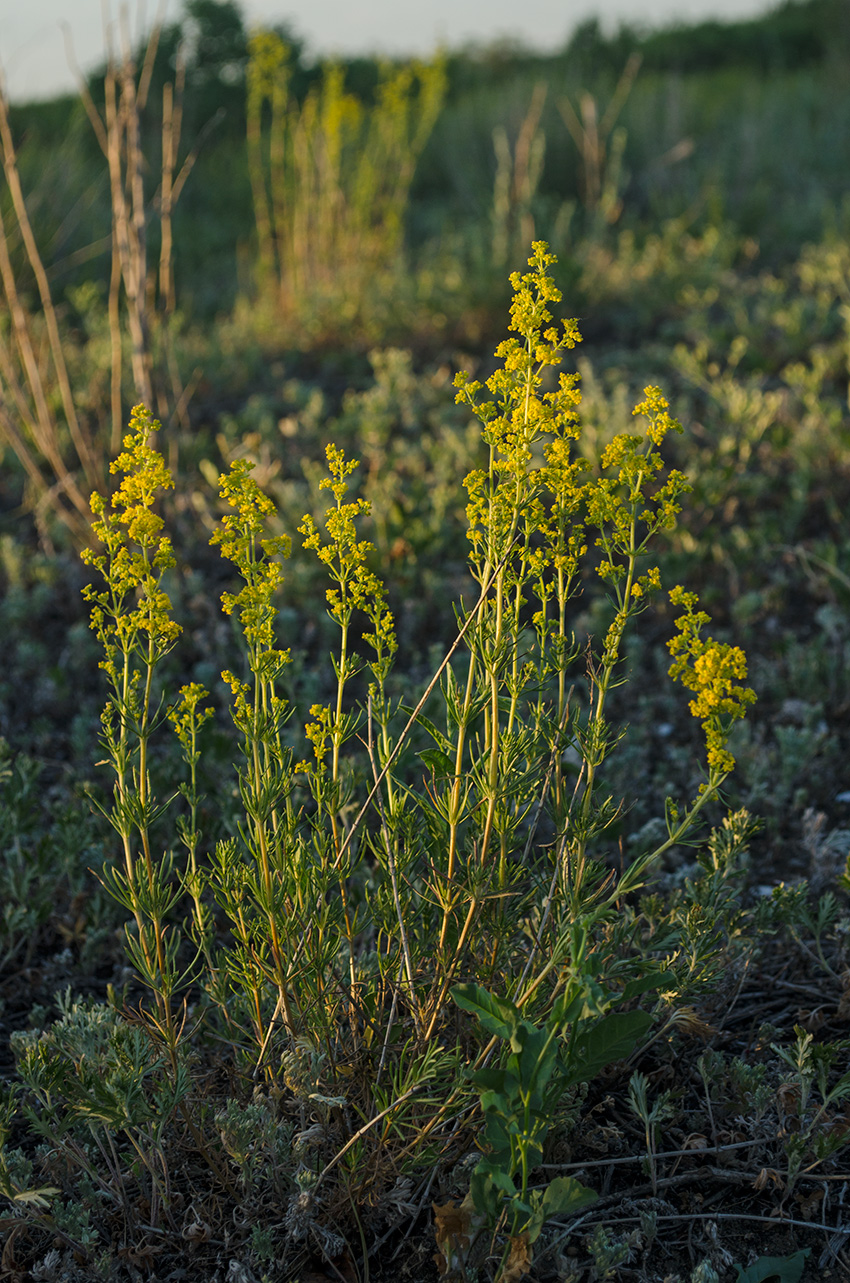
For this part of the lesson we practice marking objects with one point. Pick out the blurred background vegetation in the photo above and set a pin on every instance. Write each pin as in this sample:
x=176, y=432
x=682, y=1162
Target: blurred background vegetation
x=742, y=123
x=308, y=252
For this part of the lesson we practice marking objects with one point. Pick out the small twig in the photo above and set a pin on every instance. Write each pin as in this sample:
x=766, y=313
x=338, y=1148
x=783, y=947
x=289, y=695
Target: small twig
x=806, y=990
x=390, y=1024
x=269, y=1031
x=728, y=1216
x=805, y=557
x=183, y=399
x=651, y=1189
x=413, y=1219
x=325, y=1257
x=439, y=1117
x=738, y=990
x=638, y=1158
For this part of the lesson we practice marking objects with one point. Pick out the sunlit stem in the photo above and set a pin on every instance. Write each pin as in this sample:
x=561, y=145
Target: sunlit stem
x=263, y=848
x=455, y=800
x=192, y=845
x=344, y=619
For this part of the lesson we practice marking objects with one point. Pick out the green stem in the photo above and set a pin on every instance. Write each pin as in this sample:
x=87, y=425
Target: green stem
x=455, y=801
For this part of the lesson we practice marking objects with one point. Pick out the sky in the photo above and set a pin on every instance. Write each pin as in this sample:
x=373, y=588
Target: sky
x=34, y=59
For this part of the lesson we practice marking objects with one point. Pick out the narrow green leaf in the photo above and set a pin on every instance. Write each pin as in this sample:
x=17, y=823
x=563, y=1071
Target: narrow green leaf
x=647, y=983
x=441, y=740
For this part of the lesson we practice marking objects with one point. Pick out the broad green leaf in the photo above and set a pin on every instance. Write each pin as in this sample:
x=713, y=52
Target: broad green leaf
x=522, y=1033
x=499, y=1160
x=535, y=1223
x=528, y=1045
x=438, y=763
x=494, y=1080
x=486, y=1198
x=488, y=1189
x=564, y=1196
x=608, y=1039
x=496, y=1014
x=644, y=984
x=788, y=1269
x=548, y=1061
x=502, y=1181
x=566, y=1010
x=519, y=1205
x=534, y=1148
x=502, y=1102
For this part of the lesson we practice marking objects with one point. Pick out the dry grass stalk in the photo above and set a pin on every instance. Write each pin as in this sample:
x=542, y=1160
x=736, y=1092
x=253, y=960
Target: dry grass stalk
x=32, y=364
x=119, y=134
x=517, y=178
x=591, y=136
x=59, y=452
x=118, y=130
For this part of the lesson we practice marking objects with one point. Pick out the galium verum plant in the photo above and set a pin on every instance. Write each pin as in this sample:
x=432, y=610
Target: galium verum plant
x=533, y=514
x=390, y=856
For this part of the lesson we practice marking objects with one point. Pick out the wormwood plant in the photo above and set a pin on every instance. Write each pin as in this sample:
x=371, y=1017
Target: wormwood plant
x=395, y=866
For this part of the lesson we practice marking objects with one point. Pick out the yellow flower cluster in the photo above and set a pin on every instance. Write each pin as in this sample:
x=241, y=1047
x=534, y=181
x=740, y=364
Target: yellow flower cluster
x=136, y=554
x=357, y=588
x=185, y=717
x=613, y=500
x=345, y=555
x=268, y=59
x=713, y=671
x=519, y=415
x=319, y=733
x=240, y=539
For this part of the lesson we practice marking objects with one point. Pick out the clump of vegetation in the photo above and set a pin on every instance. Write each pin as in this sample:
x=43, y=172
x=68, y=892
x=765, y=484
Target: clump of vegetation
x=331, y=182
x=466, y=953
x=466, y=841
